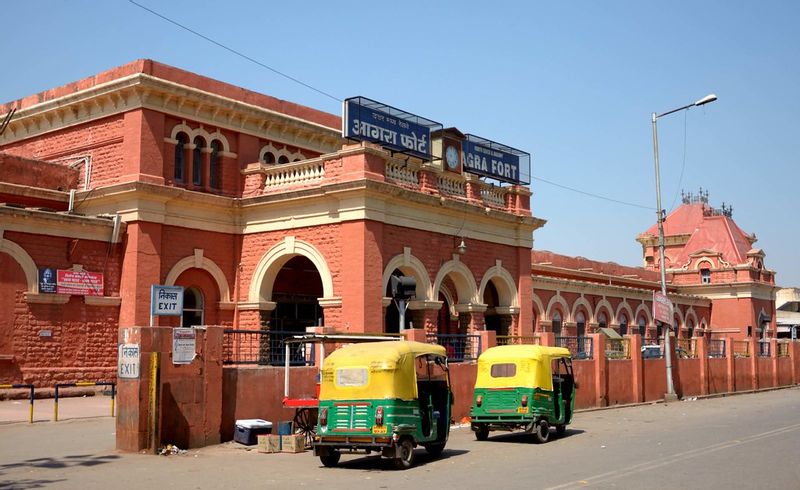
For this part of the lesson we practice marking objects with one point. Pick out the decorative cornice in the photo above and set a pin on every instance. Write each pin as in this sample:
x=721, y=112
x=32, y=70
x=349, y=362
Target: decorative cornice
x=583, y=287
x=142, y=91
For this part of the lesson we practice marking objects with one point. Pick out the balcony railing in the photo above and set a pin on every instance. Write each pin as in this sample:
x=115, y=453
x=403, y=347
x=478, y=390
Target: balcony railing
x=302, y=172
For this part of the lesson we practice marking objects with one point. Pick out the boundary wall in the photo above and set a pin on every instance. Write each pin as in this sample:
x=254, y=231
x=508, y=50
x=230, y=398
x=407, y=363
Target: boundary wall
x=197, y=404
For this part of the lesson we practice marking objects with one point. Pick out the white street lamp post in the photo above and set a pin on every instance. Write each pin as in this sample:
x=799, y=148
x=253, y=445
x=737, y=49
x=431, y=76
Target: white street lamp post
x=660, y=219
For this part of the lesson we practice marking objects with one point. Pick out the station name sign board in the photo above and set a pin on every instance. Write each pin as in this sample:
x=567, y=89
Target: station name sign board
x=394, y=129
x=494, y=160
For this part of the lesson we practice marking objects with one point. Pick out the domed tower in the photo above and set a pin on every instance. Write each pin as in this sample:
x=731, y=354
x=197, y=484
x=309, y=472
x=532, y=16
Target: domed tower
x=707, y=254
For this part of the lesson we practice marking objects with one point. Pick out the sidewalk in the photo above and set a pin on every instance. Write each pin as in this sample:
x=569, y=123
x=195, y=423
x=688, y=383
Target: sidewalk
x=18, y=411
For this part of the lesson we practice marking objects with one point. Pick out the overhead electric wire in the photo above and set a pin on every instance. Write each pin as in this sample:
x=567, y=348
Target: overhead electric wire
x=237, y=53
x=597, y=196
x=289, y=77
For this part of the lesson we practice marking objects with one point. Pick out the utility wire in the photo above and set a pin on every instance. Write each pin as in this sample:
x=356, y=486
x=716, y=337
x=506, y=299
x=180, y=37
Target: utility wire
x=289, y=77
x=683, y=165
x=237, y=53
x=597, y=196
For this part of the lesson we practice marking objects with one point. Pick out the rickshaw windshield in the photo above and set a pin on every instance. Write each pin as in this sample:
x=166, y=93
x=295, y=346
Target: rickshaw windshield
x=375, y=370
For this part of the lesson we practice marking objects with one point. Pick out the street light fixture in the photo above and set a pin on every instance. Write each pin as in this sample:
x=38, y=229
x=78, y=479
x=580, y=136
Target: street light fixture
x=660, y=218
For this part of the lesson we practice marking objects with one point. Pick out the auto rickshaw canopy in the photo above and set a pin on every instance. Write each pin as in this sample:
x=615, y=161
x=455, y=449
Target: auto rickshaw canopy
x=532, y=366
x=374, y=370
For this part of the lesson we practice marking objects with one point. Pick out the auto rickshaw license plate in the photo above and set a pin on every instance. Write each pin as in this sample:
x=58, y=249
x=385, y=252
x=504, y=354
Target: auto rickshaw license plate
x=522, y=409
x=379, y=429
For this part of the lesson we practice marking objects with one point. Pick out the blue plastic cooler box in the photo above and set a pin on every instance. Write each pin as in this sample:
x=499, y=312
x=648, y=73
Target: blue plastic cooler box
x=246, y=430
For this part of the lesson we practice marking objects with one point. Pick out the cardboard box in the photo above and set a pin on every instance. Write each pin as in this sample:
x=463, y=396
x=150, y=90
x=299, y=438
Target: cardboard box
x=295, y=443
x=269, y=443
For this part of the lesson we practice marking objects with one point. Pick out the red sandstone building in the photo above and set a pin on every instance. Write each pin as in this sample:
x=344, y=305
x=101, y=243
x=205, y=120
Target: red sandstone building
x=270, y=219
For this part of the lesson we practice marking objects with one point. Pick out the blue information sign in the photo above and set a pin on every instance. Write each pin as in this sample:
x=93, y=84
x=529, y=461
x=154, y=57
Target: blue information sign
x=490, y=162
x=367, y=120
x=496, y=161
x=166, y=300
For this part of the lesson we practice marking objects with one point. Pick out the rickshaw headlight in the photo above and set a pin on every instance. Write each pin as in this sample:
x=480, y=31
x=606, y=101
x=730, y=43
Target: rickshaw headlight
x=524, y=400
x=479, y=400
x=323, y=417
x=379, y=416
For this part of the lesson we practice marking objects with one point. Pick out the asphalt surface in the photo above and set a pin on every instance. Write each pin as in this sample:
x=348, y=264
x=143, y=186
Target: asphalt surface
x=744, y=441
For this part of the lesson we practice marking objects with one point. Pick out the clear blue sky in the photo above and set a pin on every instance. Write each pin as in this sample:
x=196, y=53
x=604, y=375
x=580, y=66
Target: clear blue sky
x=573, y=83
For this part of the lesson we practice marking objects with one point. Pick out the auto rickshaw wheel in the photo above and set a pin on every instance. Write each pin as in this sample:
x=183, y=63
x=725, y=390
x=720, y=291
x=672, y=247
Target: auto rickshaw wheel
x=305, y=422
x=406, y=450
x=561, y=429
x=435, y=449
x=331, y=458
x=541, y=432
x=481, y=432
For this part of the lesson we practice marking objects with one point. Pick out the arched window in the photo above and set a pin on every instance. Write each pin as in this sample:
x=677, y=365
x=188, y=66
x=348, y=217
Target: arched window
x=642, y=322
x=580, y=323
x=269, y=157
x=557, y=322
x=602, y=320
x=197, y=161
x=623, y=324
x=689, y=328
x=192, y=308
x=214, y=166
x=180, y=158
x=283, y=159
x=705, y=276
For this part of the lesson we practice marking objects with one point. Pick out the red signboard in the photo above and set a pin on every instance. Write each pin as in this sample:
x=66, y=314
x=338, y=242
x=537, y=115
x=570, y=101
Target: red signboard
x=662, y=308
x=82, y=283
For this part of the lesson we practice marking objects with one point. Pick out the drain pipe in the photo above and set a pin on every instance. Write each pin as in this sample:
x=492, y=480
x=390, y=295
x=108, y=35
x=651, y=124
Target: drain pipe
x=71, y=207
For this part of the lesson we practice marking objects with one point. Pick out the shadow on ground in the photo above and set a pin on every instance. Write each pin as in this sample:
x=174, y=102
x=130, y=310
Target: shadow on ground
x=374, y=462
x=527, y=438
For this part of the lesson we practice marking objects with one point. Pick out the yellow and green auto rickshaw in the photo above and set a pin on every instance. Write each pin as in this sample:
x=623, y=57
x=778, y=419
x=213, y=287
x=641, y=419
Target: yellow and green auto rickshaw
x=387, y=397
x=527, y=387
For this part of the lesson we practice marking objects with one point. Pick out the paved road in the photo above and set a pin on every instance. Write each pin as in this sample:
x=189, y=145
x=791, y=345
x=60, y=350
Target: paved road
x=745, y=441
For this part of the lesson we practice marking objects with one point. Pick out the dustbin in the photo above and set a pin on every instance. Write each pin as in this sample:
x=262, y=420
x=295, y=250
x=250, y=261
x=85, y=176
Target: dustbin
x=285, y=428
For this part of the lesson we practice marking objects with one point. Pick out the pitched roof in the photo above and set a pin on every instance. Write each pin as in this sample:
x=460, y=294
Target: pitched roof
x=709, y=231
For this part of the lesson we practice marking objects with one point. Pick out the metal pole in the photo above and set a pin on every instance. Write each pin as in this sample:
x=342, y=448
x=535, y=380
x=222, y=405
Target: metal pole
x=661, y=264
x=401, y=308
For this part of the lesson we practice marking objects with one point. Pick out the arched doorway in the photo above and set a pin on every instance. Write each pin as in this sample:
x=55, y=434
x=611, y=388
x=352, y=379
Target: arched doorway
x=493, y=321
x=295, y=293
x=391, y=320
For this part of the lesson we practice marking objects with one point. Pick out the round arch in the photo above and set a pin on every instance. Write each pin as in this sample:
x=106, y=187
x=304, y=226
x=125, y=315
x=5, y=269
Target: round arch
x=271, y=262
x=24, y=260
x=681, y=319
x=462, y=279
x=690, y=315
x=503, y=282
x=626, y=308
x=582, y=302
x=643, y=310
x=558, y=300
x=199, y=262
x=409, y=265
x=537, y=304
x=603, y=304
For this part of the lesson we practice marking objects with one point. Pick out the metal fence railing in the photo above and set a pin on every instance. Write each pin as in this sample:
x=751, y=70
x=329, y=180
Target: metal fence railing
x=264, y=347
x=716, y=348
x=764, y=348
x=618, y=349
x=686, y=348
x=741, y=348
x=580, y=347
x=518, y=339
x=782, y=349
x=460, y=347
